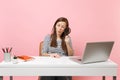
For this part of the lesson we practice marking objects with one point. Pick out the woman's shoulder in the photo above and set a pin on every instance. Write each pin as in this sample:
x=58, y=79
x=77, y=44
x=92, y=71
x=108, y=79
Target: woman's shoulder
x=47, y=37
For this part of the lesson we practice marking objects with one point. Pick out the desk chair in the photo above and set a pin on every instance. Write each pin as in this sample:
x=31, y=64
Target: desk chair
x=40, y=49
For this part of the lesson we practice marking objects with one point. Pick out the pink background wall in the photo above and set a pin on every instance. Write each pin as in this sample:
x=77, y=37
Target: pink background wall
x=24, y=23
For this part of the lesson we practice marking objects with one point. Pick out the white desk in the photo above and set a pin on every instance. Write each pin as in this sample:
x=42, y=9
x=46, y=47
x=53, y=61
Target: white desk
x=64, y=66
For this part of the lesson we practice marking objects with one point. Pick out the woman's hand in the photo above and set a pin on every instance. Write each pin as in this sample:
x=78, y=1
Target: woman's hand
x=67, y=39
x=55, y=55
x=69, y=48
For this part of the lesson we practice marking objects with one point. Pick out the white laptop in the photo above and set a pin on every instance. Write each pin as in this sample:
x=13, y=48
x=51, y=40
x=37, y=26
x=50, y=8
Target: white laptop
x=97, y=52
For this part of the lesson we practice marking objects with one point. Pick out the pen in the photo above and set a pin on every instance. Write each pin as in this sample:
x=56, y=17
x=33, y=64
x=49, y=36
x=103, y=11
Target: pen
x=7, y=50
x=10, y=50
x=3, y=50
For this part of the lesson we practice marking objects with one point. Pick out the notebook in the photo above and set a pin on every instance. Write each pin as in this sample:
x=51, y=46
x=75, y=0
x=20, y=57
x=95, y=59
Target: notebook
x=97, y=52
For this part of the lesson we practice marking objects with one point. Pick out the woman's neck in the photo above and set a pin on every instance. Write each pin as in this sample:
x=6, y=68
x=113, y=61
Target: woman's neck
x=58, y=37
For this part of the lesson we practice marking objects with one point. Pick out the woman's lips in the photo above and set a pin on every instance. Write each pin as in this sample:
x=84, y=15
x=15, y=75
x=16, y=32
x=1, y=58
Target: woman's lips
x=59, y=31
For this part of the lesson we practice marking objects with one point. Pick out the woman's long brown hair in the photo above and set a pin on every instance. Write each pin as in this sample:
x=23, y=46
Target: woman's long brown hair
x=54, y=35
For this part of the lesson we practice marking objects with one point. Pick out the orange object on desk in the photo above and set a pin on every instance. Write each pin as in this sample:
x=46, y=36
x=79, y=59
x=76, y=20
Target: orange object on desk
x=24, y=57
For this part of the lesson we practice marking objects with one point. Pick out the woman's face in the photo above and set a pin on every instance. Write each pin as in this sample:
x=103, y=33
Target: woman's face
x=60, y=27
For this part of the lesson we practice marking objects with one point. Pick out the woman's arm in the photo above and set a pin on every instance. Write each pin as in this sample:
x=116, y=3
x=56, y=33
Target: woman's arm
x=51, y=55
x=45, y=54
x=69, y=46
x=45, y=46
x=70, y=50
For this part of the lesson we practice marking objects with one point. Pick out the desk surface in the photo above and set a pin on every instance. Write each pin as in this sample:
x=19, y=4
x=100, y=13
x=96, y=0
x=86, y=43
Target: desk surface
x=57, y=62
x=57, y=66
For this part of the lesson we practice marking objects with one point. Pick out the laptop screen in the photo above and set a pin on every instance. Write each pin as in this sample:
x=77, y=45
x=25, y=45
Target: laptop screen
x=97, y=51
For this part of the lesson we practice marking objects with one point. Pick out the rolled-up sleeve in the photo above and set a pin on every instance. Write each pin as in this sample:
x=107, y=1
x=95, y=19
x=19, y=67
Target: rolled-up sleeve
x=46, y=42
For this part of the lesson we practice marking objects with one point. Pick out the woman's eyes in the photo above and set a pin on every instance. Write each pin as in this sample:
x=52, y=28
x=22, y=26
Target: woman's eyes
x=61, y=26
x=58, y=25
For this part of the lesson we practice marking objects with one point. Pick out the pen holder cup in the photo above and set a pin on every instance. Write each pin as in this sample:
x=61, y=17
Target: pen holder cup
x=7, y=57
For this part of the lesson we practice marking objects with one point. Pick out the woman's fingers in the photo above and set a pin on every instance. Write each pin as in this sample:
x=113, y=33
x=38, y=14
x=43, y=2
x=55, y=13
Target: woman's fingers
x=55, y=55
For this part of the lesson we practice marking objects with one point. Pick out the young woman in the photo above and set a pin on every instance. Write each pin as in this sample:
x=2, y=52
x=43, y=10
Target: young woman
x=58, y=44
